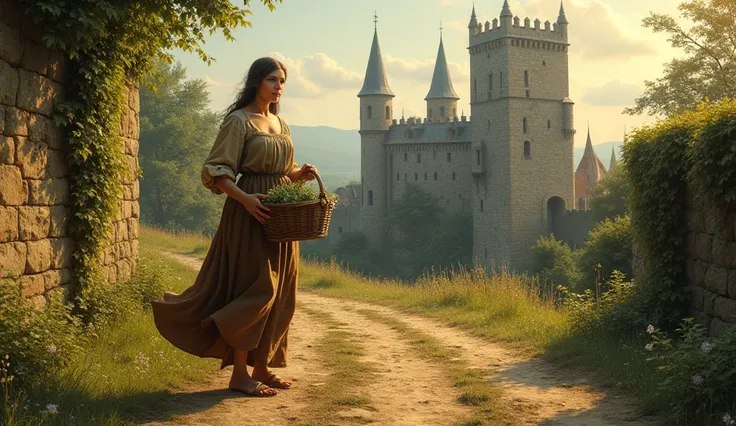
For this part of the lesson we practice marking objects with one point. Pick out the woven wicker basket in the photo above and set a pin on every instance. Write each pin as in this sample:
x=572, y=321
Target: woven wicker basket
x=308, y=220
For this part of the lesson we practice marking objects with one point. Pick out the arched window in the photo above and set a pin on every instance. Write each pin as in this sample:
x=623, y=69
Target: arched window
x=388, y=112
x=398, y=176
x=527, y=150
x=524, y=124
x=453, y=175
x=435, y=175
x=416, y=176
x=369, y=112
x=549, y=124
x=442, y=112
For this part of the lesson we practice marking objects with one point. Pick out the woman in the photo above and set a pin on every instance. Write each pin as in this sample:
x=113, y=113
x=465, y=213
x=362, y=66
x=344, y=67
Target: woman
x=242, y=302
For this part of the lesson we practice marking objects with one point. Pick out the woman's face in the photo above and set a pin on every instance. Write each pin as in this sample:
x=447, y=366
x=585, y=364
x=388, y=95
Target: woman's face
x=272, y=87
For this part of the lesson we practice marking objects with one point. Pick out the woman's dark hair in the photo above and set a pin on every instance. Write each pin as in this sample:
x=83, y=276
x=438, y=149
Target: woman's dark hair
x=259, y=70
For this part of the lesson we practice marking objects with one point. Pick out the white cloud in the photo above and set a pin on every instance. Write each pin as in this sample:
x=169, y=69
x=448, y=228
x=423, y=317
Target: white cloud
x=327, y=73
x=212, y=82
x=420, y=71
x=613, y=93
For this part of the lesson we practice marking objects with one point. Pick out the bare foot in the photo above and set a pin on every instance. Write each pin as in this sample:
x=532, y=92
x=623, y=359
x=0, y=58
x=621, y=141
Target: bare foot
x=252, y=387
x=272, y=380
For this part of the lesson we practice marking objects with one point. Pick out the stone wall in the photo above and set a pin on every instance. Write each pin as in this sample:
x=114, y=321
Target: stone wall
x=711, y=264
x=35, y=249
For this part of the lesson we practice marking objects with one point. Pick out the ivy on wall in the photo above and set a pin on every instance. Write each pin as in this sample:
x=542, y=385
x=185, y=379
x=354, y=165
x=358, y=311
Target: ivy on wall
x=111, y=44
x=695, y=150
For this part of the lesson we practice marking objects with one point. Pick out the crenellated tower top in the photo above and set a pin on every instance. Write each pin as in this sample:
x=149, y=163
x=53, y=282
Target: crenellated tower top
x=508, y=25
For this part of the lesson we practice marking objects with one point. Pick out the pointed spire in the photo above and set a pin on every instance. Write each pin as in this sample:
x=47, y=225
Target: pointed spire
x=441, y=87
x=590, y=165
x=472, y=15
x=473, y=22
x=375, y=82
x=612, y=165
x=506, y=11
x=562, y=19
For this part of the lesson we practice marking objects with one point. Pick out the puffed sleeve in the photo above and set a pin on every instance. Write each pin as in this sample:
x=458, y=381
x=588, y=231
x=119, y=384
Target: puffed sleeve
x=225, y=155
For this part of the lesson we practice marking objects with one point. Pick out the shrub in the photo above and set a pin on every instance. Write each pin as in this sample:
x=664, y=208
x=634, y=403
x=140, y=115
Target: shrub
x=554, y=261
x=699, y=374
x=610, y=246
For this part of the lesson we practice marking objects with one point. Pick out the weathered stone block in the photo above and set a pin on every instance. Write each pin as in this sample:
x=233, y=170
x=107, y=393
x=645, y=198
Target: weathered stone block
x=34, y=222
x=730, y=256
x=725, y=309
x=32, y=157
x=134, y=100
x=730, y=233
x=136, y=212
x=712, y=218
x=701, y=268
x=55, y=137
x=720, y=251
x=39, y=256
x=38, y=127
x=134, y=229
x=35, y=57
x=36, y=93
x=2, y=119
x=716, y=280
x=38, y=302
x=718, y=327
x=61, y=253
x=11, y=48
x=134, y=249
x=136, y=189
x=51, y=279
x=112, y=274
x=121, y=231
x=732, y=283
x=124, y=270
x=10, y=13
x=132, y=170
x=701, y=318
x=704, y=247
x=57, y=166
x=697, y=298
x=708, y=302
x=8, y=224
x=12, y=192
x=12, y=259
x=9, y=88
x=48, y=192
x=16, y=122
x=127, y=209
x=31, y=285
x=57, y=66
x=59, y=219
x=7, y=150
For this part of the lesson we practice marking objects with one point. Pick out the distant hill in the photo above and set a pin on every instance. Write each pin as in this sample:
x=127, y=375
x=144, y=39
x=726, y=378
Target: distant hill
x=337, y=152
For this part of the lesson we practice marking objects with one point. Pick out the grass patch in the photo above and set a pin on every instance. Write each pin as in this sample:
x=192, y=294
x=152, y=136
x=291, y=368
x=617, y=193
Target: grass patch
x=189, y=243
x=339, y=355
x=477, y=391
x=122, y=376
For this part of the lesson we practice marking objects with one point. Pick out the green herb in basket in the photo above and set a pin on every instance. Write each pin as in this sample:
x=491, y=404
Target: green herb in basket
x=294, y=192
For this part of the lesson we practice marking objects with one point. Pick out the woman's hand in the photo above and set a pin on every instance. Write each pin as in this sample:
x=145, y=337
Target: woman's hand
x=305, y=174
x=252, y=203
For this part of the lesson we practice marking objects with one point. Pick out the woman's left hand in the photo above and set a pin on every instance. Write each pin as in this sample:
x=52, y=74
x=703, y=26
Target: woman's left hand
x=305, y=174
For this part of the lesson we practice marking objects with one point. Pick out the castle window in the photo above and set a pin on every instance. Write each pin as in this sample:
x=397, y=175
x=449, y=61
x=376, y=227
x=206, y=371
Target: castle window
x=425, y=175
x=435, y=175
x=388, y=112
x=339, y=230
x=416, y=176
x=453, y=175
x=398, y=176
x=524, y=124
x=527, y=93
x=527, y=150
x=442, y=112
x=434, y=155
x=430, y=113
x=477, y=157
x=419, y=158
x=481, y=205
x=449, y=157
x=500, y=80
x=549, y=124
x=489, y=125
x=544, y=63
x=490, y=85
x=581, y=203
x=526, y=78
x=486, y=253
x=370, y=198
x=475, y=87
x=454, y=112
x=406, y=157
x=369, y=111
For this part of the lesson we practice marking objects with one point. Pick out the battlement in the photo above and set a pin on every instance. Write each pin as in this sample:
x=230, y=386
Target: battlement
x=411, y=121
x=513, y=27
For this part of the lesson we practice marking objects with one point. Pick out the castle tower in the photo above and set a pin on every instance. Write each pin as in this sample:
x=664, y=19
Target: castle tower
x=376, y=113
x=589, y=172
x=523, y=136
x=441, y=99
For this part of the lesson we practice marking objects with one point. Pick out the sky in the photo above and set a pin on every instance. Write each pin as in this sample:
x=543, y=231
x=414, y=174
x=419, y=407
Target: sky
x=325, y=45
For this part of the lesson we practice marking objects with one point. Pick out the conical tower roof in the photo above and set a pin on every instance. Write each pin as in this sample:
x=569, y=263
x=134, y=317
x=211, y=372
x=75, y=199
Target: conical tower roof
x=506, y=11
x=562, y=19
x=590, y=165
x=614, y=162
x=375, y=82
x=441, y=87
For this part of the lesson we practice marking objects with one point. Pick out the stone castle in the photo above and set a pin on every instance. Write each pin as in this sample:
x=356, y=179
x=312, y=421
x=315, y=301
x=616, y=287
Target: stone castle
x=511, y=165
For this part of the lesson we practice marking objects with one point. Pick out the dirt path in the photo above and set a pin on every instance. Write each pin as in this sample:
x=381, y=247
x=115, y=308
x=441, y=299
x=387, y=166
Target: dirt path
x=407, y=389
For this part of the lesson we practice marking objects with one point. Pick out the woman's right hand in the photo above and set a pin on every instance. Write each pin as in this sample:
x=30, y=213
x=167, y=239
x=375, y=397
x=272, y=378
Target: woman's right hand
x=252, y=203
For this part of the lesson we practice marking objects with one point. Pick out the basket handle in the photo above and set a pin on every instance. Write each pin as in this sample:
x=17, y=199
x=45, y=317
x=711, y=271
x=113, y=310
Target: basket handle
x=322, y=193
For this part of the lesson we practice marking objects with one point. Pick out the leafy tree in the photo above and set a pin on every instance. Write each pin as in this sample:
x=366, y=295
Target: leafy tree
x=610, y=245
x=555, y=261
x=709, y=68
x=609, y=197
x=177, y=130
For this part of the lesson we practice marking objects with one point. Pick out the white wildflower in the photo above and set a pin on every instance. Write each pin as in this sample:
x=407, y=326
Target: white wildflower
x=650, y=329
x=52, y=409
x=649, y=346
x=697, y=380
x=706, y=347
x=52, y=349
x=728, y=420
x=2, y=379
